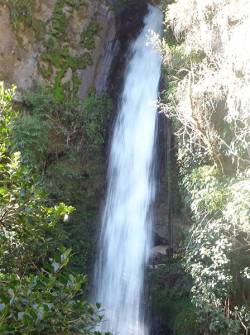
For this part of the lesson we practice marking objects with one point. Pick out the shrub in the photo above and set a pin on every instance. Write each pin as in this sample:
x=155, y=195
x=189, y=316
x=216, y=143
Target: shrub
x=208, y=75
x=37, y=293
x=48, y=302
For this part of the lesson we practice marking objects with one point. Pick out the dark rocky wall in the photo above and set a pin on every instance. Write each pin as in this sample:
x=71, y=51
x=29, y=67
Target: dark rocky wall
x=129, y=22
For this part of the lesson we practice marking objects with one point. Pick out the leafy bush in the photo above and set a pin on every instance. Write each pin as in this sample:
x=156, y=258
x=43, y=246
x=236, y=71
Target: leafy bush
x=32, y=137
x=66, y=149
x=97, y=108
x=48, y=127
x=48, y=302
x=208, y=75
x=209, y=101
x=207, y=191
x=37, y=293
x=220, y=229
x=170, y=294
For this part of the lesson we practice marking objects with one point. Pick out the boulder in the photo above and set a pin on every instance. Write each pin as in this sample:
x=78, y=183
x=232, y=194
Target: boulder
x=159, y=253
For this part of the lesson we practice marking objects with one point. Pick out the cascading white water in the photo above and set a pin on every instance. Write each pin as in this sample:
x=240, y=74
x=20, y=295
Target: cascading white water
x=126, y=228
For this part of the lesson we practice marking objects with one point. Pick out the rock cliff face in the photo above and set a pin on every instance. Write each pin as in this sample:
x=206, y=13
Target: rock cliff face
x=18, y=53
x=56, y=42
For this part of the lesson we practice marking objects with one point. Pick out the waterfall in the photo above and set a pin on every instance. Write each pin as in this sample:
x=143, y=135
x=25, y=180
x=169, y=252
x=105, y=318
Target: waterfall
x=125, y=240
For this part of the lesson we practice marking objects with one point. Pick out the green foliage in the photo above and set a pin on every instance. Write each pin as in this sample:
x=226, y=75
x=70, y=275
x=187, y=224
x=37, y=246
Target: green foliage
x=38, y=294
x=170, y=292
x=48, y=302
x=65, y=145
x=212, y=129
x=31, y=136
x=59, y=21
x=31, y=131
x=21, y=13
x=221, y=226
x=97, y=108
x=237, y=209
x=207, y=191
x=67, y=121
x=88, y=36
x=179, y=64
x=46, y=70
x=28, y=224
x=22, y=17
x=61, y=59
x=76, y=3
x=39, y=29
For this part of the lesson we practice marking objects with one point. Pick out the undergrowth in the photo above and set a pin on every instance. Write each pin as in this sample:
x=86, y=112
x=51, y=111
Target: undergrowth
x=207, y=76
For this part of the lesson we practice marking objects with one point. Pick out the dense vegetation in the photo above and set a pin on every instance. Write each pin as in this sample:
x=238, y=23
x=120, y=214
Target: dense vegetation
x=51, y=154
x=39, y=293
x=61, y=137
x=207, y=77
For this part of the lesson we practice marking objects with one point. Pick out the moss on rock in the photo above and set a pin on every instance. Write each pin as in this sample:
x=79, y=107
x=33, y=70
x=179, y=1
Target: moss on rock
x=88, y=36
x=58, y=57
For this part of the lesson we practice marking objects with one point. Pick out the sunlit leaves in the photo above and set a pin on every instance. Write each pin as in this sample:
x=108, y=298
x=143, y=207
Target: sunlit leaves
x=220, y=207
x=210, y=107
x=38, y=295
x=47, y=302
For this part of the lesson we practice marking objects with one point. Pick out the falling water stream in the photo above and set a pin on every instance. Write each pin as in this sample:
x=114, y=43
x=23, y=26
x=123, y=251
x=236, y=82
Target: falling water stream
x=125, y=240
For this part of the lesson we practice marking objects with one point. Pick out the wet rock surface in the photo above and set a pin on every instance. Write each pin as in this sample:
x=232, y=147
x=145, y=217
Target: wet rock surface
x=129, y=22
x=97, y=74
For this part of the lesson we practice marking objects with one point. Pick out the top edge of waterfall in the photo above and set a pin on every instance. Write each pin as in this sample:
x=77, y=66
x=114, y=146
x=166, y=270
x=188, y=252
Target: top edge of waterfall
x=155, y=8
